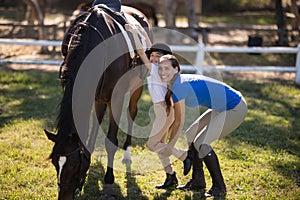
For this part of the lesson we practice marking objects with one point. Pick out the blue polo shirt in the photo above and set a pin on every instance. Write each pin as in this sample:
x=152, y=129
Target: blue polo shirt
x=198, y=90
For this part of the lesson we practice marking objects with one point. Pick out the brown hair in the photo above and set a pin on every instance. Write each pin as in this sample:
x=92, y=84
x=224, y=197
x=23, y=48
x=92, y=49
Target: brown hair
x=174, y=63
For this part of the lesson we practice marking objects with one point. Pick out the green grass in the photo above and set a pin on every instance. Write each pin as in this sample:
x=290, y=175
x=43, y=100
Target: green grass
x=260, y=160
x=241, y=18
x=242, y=59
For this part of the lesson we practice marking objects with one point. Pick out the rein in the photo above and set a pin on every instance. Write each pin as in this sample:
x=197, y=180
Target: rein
x=83, y=156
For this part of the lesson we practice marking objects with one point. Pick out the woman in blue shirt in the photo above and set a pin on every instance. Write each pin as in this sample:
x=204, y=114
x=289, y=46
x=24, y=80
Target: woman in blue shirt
x=227, y=109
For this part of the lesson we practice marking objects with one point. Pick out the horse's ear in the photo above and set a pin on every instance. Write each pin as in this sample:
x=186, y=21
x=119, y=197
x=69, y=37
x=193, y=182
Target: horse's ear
x=50, y=135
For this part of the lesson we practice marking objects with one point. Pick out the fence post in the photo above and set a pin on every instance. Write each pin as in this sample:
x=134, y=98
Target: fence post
x=297, y=79
x=200, y=58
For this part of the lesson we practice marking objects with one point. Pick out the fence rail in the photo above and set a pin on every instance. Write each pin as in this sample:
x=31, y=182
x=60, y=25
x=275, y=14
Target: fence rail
x=199, y=49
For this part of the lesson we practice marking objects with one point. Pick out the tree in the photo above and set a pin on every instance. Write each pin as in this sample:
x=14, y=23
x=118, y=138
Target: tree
x=281, y=25
x=35, y=13
x=295, y=19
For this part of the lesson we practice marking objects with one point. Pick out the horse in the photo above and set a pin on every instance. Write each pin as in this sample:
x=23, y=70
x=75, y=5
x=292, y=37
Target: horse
x=70, y=154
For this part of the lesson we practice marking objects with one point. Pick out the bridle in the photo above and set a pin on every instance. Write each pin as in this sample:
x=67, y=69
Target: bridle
x=84, y=156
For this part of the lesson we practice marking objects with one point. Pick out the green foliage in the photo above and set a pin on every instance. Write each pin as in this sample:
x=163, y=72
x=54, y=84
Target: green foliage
x=240, y=18
x=233, y=5
x=260, y=160
x=254, y=3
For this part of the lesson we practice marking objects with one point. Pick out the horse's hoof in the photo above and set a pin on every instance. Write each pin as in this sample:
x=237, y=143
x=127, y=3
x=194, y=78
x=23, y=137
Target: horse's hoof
x=108, y=192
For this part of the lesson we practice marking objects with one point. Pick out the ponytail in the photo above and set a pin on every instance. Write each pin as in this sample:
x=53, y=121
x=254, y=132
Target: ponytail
x=168, y=100
x=169, y=94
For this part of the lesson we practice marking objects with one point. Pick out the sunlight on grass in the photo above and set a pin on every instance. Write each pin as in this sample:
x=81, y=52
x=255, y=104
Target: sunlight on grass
x=259, y=166
x=268, y=120
x=259, y=160
x=23, y=161
x=146, y=97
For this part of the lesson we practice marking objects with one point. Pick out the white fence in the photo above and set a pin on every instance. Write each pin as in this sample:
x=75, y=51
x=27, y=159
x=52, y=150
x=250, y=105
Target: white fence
x=200, y=51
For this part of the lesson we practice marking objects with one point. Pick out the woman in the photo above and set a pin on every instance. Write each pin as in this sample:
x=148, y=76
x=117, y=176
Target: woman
x=227, y=109
x=157, y=90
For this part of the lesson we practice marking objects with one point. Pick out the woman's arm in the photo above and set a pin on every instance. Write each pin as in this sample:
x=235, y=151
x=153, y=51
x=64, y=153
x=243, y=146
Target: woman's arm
x=179, y=113
x=176, y=128
x=138, y=44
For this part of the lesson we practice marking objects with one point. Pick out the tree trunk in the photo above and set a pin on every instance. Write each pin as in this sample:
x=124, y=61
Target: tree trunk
x=296, y=19
x=36, y=13
x=281, y=25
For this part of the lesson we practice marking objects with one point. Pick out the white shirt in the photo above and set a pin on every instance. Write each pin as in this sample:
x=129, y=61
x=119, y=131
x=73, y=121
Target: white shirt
x=156, y=87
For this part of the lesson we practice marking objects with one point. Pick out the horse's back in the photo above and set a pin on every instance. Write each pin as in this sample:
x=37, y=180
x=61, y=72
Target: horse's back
x=121, y=64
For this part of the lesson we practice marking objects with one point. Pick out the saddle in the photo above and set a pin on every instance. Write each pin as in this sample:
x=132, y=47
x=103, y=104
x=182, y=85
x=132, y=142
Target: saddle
x=119, y=18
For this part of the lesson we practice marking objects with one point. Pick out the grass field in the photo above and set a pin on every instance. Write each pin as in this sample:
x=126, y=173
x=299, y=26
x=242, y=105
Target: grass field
x=260, y=160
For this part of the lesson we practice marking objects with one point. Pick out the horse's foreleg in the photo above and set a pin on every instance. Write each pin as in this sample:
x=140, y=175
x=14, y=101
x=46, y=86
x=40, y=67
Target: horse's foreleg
x=131, y=114
x=110, y=139
x=127, y=145
x=100, y=108
x=111, y=142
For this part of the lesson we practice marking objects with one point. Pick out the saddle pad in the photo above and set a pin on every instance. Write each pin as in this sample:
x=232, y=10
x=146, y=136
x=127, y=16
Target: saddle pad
x=130, y=19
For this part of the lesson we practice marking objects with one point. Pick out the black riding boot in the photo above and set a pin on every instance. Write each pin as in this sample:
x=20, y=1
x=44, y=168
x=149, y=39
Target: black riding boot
x=197, y=182
x=218, y=186
x=187, y=163
x=171, y=181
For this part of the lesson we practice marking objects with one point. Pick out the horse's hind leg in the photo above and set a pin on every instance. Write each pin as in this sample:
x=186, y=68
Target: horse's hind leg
x=100, y=108
x=131, y=114
x=111, y=141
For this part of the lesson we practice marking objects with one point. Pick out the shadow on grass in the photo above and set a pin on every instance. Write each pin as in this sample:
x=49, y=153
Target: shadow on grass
x=29, y=95
x=273, y=122
x=91, y=186
x=96, y=177
x=280, y=129
x=193, y=195
x=133, y=190
x=165, y=195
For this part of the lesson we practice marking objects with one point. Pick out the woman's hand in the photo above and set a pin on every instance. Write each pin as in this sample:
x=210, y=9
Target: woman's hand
x=134, y=30
x=139, y=47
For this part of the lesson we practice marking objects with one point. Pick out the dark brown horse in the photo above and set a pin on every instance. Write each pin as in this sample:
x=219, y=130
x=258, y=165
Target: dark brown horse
x=97, y=30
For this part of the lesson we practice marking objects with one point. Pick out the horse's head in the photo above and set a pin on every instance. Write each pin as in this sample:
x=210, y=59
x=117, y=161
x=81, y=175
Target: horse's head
x=71, y=160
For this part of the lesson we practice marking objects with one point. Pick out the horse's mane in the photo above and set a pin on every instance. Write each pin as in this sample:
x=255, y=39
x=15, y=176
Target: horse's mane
x=75, y=47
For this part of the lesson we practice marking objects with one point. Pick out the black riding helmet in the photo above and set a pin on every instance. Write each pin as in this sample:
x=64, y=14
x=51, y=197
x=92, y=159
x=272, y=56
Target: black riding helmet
x=112, y=4
x=159, y=47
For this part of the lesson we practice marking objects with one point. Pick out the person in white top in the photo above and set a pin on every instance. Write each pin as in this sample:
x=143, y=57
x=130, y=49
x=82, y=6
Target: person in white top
x=163, y=120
